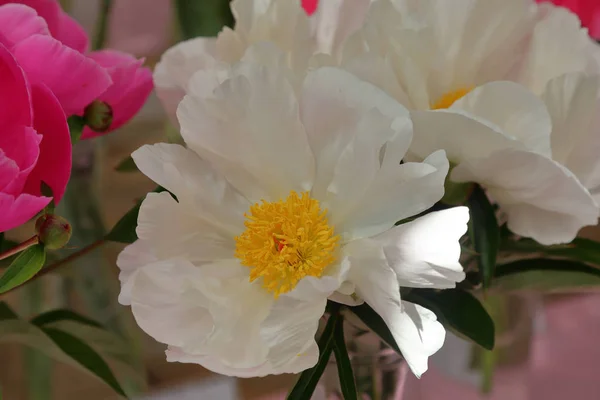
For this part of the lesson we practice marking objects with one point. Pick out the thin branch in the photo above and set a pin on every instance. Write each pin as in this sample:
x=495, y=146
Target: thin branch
x=63, y=262
x=20, y=247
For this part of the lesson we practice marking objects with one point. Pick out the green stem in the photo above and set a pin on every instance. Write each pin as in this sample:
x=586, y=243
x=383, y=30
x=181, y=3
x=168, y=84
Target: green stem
x=102, y=27
x=93, y=279
x=38, y=366
x=65, y=261
x=20, y=247
x=66, y=5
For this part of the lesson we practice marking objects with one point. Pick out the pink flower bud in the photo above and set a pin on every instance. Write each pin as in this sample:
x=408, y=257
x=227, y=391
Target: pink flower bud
x=98, y=116
x=53, y=231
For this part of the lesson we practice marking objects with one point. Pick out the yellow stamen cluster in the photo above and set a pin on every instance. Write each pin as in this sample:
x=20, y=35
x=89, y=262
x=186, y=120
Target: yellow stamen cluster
x=450, y=98
x=285, y=241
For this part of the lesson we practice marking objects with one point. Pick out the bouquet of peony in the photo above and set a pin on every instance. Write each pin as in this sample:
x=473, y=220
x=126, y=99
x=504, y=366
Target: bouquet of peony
x=353, y=179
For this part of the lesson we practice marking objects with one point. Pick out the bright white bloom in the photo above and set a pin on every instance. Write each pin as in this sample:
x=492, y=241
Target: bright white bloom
x=284, y=197
x=280, y=22
x=450, y=62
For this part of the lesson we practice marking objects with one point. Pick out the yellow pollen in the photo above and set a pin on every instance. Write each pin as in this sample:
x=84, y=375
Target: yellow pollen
x=450, y=98
x=285, y=241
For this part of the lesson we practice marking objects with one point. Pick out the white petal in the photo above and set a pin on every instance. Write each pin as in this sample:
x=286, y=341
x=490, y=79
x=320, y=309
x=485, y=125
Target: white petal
x=176, y=67
x=211, y=310
x=426, y=252
x=290, y=330
x=380, y=72
x=212, y=363
x=381, y=53
x=167, y=306
x=461, y=135
x=239, y=309
x=349, y=124
x=335, y=20
x=134, y=256
x=398, y=191
x=246, y=12
x=558, y=46
x=310, y=287
x=572, y=101
x=515, y=110
x=543, y=200
x=198, y=188
x=415, y=329
x=250, y=131
x=474, y=41
x=172, y=230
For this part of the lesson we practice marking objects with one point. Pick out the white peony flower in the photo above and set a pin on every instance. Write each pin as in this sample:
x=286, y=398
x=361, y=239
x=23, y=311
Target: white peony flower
x=451, y=62
x=281, y=22
x=284, y=197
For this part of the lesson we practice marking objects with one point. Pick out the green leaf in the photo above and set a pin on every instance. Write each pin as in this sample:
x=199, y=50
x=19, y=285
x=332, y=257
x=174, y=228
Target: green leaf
x=85, y=355
x=484, y=233
x=124, y=229
x=203, y=18
x=307, y=383
x=23, y=268
x=127, y=165
x=6, y=312
x=546, y=275
x=344, y=366
x=584, y=250
x=76, y=125
x=458, y=310
x=370, y=318
x=107, y=344
x=63, y=315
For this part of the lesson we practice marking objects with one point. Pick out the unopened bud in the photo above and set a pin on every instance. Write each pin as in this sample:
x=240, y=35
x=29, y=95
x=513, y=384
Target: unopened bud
x=98, y=116
x=53, y=231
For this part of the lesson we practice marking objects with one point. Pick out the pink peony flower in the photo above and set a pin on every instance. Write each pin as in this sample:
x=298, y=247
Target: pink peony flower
x=38, y=31
x=131, y=86
x=75, y=79
x=310, y=6
x=35, y=145
x=587, y=10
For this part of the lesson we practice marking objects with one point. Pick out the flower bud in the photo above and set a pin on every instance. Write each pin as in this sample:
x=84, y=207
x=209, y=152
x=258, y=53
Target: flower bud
x=98, y=116
x=53, y=231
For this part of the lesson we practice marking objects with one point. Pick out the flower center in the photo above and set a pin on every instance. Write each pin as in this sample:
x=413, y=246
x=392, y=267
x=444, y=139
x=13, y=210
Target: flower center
x=450, y=98
x=285, y=241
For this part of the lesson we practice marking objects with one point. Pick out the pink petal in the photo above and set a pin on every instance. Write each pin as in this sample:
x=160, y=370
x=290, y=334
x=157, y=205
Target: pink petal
x=71, y=34
x=21, y=144
x=121, y=67
x=310, y=6
x=17, y=211
x=18, y=22
x=132, y=84
x=15, y=102
x=54, y=163
x=60, y=24
x=75, y=79
x=49, y=10
x=9, y=171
